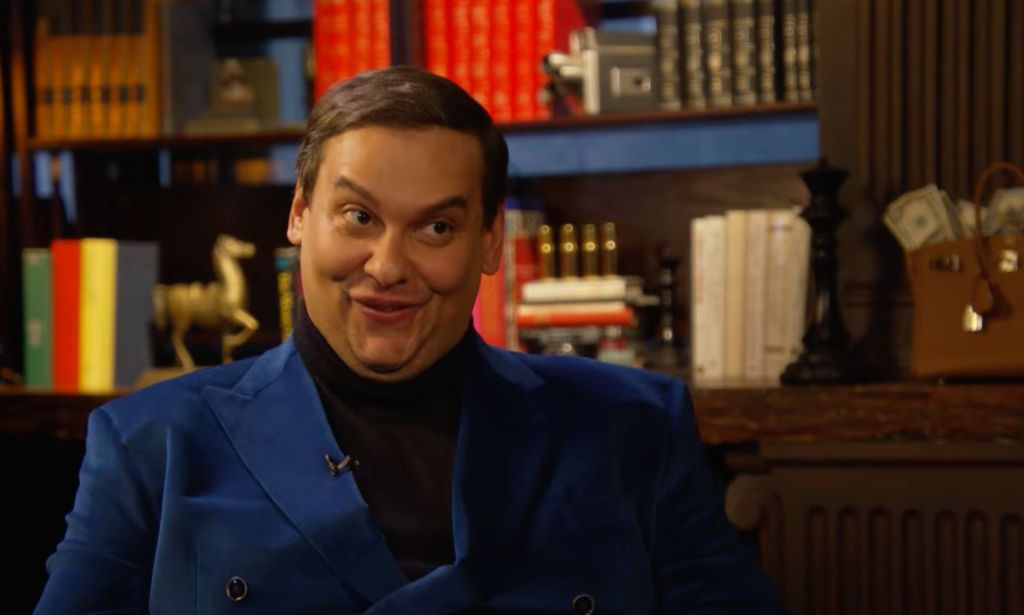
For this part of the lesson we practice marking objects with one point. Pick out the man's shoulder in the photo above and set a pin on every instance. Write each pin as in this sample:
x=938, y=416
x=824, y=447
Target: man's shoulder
x=601, y=382
x=178, y=401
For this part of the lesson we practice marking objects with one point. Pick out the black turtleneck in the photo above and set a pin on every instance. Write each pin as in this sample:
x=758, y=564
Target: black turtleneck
x=403, y=434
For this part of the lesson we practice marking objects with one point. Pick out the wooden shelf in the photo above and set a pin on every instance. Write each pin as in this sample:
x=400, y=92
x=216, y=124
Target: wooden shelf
x=897, y=411
x=178, y=142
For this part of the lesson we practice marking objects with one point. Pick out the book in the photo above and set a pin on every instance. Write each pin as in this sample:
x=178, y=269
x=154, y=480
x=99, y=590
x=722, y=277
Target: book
x=790, y=81
x=666, y=14
x=60, y=67
x=380, y=40
x=97, y=315
x=501, y=60
x=718, y=50
x=148, y=88
x=561, y=290
x=187, y=54
x=38, y=316
x=65, y=255
x=755, y=273
x=692, y=37
x=460, y=43
x=286, y=266
x=766, y=74
x=437, y=53
x=777, y=342
x=804, y=69
x=98, y=24
x=522, y=220
x=362, y=32
x=332, y=42
x=77, y=57
x=735, y=292
x=43, y=71
x=744, y=52
x=480, y=52
x=707, y=296
x=117, y=71
x=603, y=313
x=136, y=270
x=526, y=77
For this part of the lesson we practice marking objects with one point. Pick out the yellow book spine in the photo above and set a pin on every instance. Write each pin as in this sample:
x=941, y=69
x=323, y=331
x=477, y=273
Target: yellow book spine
x=97, y=308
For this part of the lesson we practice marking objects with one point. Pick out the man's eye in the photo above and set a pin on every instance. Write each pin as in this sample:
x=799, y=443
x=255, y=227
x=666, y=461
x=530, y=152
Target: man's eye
x=358, y=217
x=440, y=228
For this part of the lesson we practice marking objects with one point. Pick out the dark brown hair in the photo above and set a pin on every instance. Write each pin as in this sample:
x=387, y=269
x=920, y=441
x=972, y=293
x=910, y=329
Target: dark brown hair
x=404, y=97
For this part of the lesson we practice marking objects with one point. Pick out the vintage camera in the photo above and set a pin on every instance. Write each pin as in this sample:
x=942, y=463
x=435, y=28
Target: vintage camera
x=604, y=72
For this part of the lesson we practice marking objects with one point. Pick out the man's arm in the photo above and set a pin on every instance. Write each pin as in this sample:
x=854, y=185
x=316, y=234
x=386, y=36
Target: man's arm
x=103, y=563
x=700, y=564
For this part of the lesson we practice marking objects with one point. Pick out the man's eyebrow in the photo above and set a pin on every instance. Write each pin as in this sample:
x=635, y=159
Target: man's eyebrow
x=347, y=184
x=456, y=201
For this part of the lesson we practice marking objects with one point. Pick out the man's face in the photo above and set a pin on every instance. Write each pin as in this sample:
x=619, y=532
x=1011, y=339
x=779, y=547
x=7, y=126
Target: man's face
x=393, y=245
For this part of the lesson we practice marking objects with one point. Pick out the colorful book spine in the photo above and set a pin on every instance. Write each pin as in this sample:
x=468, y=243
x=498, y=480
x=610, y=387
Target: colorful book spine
x=717, y=39
x=804, y=69
x=96, y=338
x=460, y=43
x=66, y=292
x=694, y=73
x=286, y=264
x=38, y=316
x=755, y=273
x=136, y=270
x=362, y=33
x=744, y=53
x=381, y=38
x=525, y=74
x=790, y=80
x=435, y=36
x=707, y=245
x=766, y=74
x=666, y=14
x=480, y=52
x=501, y=60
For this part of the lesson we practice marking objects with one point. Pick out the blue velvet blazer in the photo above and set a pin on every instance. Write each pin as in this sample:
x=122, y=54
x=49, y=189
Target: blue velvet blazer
x=573, y=480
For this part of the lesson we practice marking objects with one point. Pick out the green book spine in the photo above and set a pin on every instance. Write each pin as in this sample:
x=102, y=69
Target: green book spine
x=38, y=315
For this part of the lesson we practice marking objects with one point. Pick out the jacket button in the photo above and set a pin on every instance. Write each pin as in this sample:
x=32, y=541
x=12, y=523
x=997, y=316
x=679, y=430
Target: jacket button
x=236, y=589
x=583, y=605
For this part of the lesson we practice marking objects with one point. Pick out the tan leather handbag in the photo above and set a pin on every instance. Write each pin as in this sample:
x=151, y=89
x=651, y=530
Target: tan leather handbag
x=969, y=301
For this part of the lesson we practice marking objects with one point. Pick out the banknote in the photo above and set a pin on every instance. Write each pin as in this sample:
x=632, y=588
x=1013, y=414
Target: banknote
x=965, y=212
x=921, y=217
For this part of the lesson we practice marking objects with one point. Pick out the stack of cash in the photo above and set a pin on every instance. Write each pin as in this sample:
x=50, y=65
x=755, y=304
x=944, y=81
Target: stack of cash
x=927, y=215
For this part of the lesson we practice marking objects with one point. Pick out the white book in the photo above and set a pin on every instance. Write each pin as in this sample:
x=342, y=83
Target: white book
x=611, y=288
x=777, y=342
x=707, y=246
x=754, y=306
x=735, y=295
x=796, y=286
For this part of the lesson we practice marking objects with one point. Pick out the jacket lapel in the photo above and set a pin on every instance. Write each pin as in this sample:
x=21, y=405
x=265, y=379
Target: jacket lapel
x=504, y=444
x=275, y=421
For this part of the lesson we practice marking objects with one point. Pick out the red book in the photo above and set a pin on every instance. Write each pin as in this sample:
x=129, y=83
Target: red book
x=480, y=51
x=460, y=41
x=66, y=272
x=380, y=39
x=525, y=76
x=362, y=33
x=332, y=44
x=435, y=36
x=501, y=60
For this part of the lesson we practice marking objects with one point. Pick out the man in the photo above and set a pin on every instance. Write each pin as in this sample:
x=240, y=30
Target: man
x=384, y=459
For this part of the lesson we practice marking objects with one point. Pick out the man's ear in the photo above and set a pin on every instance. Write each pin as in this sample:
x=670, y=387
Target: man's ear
x=297, y=216
x=494, y=242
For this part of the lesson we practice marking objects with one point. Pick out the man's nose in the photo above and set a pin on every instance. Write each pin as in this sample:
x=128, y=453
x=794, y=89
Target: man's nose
x=387, y=264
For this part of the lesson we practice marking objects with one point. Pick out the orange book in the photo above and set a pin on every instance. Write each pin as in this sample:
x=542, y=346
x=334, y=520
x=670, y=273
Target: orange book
x=435, y=37
x=530, y=316
x=480, y=51
x=66, y=290
x=99, y=61
x=362, y=32
x=332, y=42
x=460, y=42
x=525, y=76
x=149, y=91
x=501, y=60
x=380, y=39
x=78, y=74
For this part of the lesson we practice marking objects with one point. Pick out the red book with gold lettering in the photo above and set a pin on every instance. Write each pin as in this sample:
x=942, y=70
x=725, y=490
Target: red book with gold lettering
x=67, y=276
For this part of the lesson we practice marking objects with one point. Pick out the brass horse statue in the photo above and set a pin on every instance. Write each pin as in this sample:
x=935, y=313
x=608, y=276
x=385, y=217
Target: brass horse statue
x=222, y=304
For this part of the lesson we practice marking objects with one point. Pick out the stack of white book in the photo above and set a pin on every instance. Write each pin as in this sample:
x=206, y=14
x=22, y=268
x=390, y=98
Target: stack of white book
x=749, y=272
